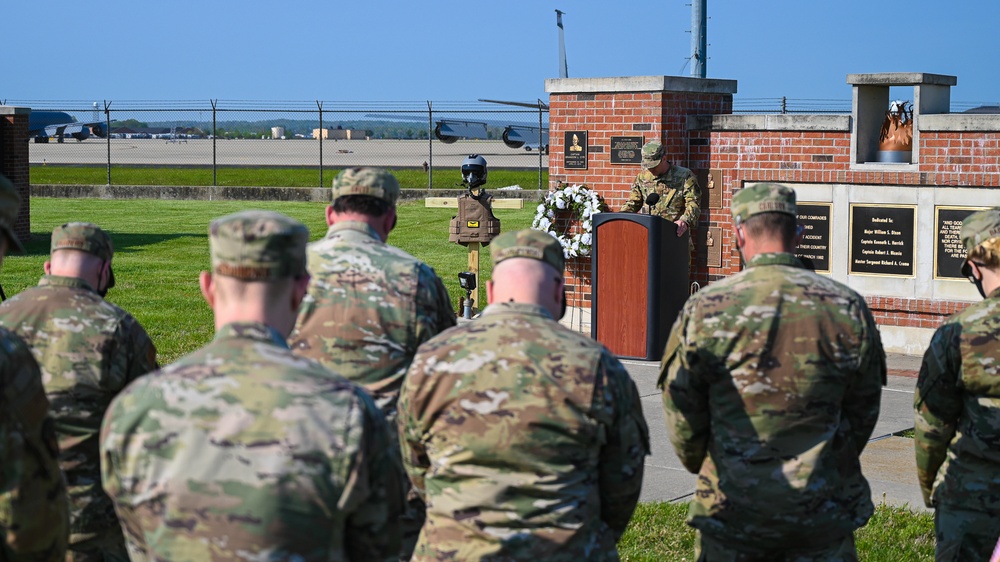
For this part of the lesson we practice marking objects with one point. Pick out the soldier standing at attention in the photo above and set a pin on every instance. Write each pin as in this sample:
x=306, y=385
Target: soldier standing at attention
x=771, y=382
x=243, y=450
x=88, y=350
x=34, y=514
x=370, y=305
x=957, y=407
x=677, y=187
x=526, y=439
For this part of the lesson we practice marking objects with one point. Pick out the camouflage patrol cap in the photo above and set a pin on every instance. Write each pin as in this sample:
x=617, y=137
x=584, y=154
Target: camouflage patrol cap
x=979, y=229
x=528, y=243
x=652, y=154
x=258, y=246
x=10, y=202
x=84, y=237
x=763, y=198
x=366, y=181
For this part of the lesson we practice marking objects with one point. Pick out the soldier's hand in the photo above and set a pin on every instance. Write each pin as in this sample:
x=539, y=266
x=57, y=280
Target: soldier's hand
x=682, y=227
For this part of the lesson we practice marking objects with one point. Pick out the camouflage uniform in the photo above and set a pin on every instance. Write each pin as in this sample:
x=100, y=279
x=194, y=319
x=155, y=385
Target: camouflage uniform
x=771, y=383
x=526, y=439
x=957, y=416
x=369, y=306
x=34, y=521
x=88, y=350
x=680, y=195
x=243, y=450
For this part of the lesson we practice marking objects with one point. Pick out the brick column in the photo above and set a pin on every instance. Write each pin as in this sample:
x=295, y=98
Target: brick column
x=14, y=162
x=651, y=107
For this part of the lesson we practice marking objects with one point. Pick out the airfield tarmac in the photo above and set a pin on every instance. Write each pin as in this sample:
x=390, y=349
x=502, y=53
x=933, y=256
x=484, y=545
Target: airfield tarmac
x=291, y=152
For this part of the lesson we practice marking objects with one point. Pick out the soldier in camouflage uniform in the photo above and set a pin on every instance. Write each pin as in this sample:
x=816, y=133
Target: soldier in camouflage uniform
x=34, y=514
x=526, y=439
x=88, y=350
x=678, y=188
x=957, y=408
x=242, y=449
x=370, y=305
x=771, y=381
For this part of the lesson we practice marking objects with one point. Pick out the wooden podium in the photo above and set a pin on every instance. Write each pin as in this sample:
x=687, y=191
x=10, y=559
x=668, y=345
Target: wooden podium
x=639, y=277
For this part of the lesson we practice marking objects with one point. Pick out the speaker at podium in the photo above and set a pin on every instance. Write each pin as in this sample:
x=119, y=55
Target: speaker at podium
x=639, y=282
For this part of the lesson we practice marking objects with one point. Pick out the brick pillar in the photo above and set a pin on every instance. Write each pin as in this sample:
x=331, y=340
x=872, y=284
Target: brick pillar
x=651, y=107
x=14, y=162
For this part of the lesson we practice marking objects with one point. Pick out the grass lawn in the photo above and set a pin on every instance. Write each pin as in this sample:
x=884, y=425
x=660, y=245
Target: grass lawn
x=261, y=177
x=160, y=246
x=658, y=532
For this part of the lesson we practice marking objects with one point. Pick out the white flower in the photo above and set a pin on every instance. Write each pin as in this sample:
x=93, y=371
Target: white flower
x=580, y=200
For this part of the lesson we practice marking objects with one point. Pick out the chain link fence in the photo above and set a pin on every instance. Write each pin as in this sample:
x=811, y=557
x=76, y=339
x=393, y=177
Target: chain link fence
x=217, y=141
x=221, y=142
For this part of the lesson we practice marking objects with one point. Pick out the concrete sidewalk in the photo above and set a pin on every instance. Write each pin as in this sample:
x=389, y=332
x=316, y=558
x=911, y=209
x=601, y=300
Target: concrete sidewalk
x=888, y=461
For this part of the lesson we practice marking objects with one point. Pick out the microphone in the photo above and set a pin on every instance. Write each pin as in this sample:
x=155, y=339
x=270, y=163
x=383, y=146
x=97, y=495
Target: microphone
x=651, y=200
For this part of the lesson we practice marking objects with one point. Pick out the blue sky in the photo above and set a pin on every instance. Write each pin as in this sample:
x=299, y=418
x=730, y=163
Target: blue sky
x=451, y=50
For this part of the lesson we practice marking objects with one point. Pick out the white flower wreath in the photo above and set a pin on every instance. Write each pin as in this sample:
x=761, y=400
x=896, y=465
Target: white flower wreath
x=583, y=203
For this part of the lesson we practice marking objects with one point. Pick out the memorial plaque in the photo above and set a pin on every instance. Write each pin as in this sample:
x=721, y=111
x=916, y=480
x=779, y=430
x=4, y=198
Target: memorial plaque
x=712, y=241
x=713, y=185
x=882, y=239
x=575, y=154
x=949, y=254
x=814, y=249
x=626, y=150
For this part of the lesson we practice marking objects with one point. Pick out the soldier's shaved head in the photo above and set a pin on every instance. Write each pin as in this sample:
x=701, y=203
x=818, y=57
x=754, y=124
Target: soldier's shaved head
x=526, y=280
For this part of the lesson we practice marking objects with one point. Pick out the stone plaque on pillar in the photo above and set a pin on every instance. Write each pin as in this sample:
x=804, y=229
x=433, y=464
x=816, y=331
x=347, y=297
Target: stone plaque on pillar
x=882, y=239
x=814, y=249
x=711, y=240
x=710, y=182
x=575, y=153
x=949, y=254
x=626, y=150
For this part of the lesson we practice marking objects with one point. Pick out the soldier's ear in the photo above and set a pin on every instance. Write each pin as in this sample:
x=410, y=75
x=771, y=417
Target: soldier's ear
x=300, y=285
x=207, y=288
x=489, y=292
x=47, y=267
x=329, y=215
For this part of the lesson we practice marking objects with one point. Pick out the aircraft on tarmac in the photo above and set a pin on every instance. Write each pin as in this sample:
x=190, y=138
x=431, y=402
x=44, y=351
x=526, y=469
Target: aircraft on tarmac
x=43, y=125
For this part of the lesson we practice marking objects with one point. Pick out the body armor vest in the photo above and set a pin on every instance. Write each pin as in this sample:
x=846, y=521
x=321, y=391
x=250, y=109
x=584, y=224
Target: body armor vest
x=475, y=221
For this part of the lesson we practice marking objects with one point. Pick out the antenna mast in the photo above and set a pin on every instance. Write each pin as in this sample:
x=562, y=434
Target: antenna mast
x=699, y=38
x=563, y=69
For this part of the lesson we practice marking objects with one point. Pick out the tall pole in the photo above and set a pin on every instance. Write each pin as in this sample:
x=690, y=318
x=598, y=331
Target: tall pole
x=563, y=69
x=699, y=38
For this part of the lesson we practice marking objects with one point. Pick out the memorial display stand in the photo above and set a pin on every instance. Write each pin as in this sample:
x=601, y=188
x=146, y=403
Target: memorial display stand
x=639, y=271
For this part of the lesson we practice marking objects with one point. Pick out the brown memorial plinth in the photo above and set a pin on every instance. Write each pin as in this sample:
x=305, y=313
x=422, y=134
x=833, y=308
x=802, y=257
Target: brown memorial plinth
x=639, y=273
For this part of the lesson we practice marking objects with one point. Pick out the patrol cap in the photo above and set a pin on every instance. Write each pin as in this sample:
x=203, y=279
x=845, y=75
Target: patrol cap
x=258, y=246
x=366, y=181
x=652, y=154
x=84, y=237
x=528, y=243
x=977, y=229
x=10, y=202
x=763, y=198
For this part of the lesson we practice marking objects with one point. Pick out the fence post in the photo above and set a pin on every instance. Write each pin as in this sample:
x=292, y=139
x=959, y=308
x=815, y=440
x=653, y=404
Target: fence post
x=107, y=119
x=430, y=145
x=320, y=136
x=215, y=137
x=784, y=105
x=540, y=144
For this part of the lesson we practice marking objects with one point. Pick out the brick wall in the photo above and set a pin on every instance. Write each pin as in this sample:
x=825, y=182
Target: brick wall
x=652, y=115
x=14, y=162
x=951, y=155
